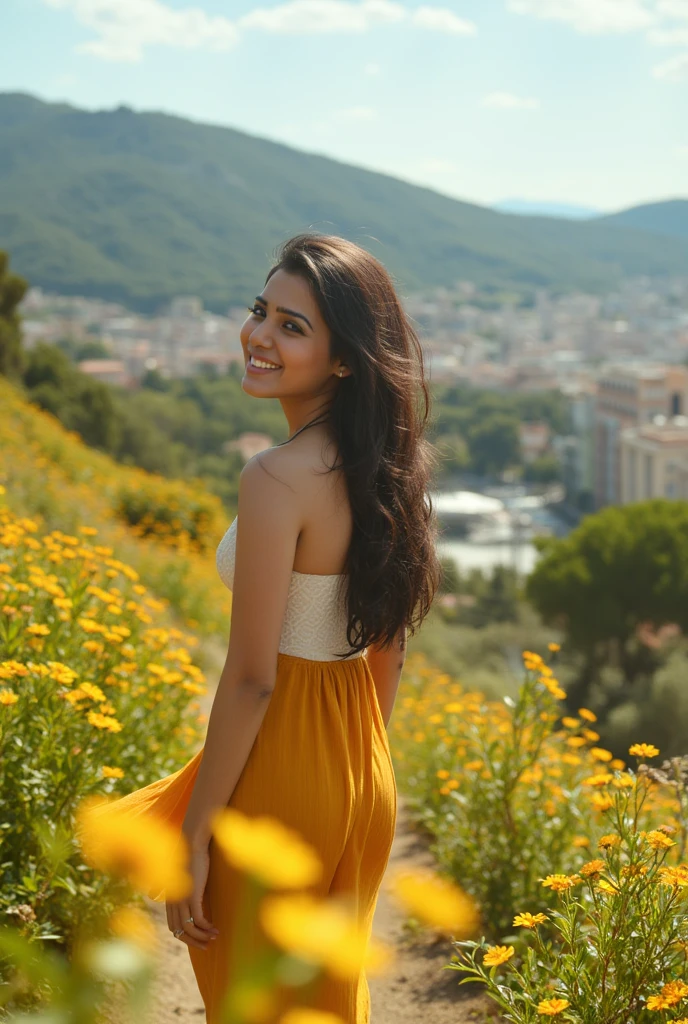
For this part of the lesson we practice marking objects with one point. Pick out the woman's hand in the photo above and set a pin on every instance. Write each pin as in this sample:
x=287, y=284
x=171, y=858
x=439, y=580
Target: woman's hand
x=200, y=931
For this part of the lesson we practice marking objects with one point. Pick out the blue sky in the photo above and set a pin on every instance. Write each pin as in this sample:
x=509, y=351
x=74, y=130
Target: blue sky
x=581, y=101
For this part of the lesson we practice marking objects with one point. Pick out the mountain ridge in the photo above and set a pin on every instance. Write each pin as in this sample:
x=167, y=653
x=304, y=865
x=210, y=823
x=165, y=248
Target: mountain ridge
x=139, y=206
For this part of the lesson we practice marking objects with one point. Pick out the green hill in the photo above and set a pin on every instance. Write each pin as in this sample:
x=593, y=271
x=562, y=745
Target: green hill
x=668, y=218
x=142, y=206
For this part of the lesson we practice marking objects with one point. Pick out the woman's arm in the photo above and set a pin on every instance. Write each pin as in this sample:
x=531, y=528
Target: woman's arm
x=268, y=527
x=386, y=668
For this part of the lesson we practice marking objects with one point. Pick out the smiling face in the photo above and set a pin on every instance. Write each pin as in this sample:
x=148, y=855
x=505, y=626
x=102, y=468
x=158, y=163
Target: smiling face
x=285, y=330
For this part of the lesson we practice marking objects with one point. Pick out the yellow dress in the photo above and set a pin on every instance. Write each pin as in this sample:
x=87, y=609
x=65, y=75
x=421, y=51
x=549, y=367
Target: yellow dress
x=321, y=764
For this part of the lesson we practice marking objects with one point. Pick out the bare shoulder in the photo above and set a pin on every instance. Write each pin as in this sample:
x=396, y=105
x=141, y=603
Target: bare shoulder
x=292, y=469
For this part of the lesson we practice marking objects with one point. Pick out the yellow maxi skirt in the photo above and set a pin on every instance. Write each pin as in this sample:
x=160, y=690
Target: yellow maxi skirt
x=321, y=764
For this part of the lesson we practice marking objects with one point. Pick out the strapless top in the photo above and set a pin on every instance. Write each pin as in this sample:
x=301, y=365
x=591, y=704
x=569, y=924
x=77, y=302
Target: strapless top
x=315, y=618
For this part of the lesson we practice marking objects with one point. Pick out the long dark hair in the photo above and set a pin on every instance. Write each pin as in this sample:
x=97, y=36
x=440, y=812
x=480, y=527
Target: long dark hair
x=377, y=417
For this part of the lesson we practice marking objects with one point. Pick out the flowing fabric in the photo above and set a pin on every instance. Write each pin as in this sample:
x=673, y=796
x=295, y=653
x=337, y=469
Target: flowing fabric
x=321, y=764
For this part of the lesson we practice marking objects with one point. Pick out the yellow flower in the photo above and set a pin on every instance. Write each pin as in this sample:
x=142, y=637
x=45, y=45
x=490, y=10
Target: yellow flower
x=554, y=647
x=443, y=773
x=436, y=901
x=600, y=754
x=658, y=1003
x=581, y=841
x=570, y=723
x=591, y=735
x=136, y=926
x=529, y=920
x=307, y=1016
x=322, y=932
x=8, y=697
x=657, y=840
x=37, y=629
x=558, y=883
x=112, y=773
x=142, y=848
x=601, y=801
x=497, y=955
x=103, y=721
x=551, y=1007
x=643, y=750
x=264, y=847
x=593, y=867
x=674, y=876
x=603, y=779
x=589, y=716
x=92, y=691
x=609, y=841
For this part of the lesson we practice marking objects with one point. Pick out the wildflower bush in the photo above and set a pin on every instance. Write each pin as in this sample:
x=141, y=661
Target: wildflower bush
x=95, y=696
x=510, y=790
x=616, y=949
x=165, y=529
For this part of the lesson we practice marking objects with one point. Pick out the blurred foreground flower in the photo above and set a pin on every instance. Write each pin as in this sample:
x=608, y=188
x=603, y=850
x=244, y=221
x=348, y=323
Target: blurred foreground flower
x=263, y=847
x=436, y=901
x=145, y=850
x=322, y=932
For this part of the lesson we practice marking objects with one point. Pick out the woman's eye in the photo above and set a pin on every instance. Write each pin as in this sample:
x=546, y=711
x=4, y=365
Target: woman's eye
x=293, y=325
x=255, y=309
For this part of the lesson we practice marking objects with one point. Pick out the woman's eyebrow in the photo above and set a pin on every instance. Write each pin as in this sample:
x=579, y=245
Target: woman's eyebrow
x=289, y=312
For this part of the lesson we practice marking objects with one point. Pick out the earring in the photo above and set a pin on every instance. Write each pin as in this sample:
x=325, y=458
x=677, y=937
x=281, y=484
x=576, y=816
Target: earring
x=341, y=373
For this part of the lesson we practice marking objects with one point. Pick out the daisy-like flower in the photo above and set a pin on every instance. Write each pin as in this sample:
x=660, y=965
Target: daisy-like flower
x=436, y=901
x=497, y=955
x=111, y=773
x=643, y=750
x=609, y=841
x=600, y=754
x=601, y=801
x=37, y=629
x=554, y=647
x=588, y=715
x=603, y=779
x=592, y=868
x=8, y=697
x=551, y=1007
x=570, y=723
x=527, y=920
x=658, y=840
x=266, y=848
x=559, y=883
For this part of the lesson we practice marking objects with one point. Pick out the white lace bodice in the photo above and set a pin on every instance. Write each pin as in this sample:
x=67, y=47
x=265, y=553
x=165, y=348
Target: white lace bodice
x=315, y=618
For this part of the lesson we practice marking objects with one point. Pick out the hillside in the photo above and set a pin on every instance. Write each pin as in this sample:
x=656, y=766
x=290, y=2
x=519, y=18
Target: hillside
x=141, y=206
x=166, y=530
x=669, y=218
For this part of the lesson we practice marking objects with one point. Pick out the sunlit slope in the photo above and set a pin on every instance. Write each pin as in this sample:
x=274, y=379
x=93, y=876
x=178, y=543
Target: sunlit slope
x=167, y=530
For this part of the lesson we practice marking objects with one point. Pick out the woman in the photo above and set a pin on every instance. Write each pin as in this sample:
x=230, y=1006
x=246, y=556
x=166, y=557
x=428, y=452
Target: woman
x=330, y=559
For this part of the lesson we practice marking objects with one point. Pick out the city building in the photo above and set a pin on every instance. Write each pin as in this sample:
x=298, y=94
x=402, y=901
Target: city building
x=630, y=396
x=654, y=460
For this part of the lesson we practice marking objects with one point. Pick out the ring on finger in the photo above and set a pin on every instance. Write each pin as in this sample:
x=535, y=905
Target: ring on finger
x=189, y=919
x=178, y=932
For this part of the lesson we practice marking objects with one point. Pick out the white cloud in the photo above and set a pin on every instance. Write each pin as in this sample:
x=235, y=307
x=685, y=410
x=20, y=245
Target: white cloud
x=683, y=150
x=309, y=17
x=357, y=114
x=673, y=70
x=372, y=69
x=124, y=28
x=439, y=19
x=592, y=16
x=509, y=101
x=673, y=8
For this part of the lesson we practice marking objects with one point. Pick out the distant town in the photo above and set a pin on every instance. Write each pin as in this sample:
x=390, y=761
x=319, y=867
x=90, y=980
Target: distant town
x=620, y=359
